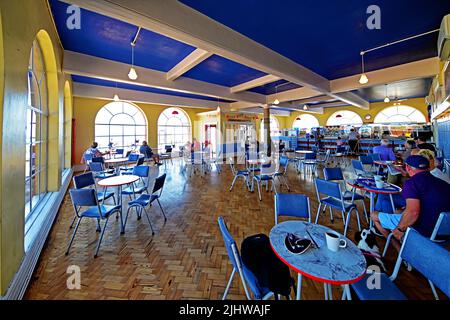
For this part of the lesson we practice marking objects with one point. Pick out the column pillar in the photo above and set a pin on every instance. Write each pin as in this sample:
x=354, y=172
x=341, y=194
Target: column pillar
x=267, y=140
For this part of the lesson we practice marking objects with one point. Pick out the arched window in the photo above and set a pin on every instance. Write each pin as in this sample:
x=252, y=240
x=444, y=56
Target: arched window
x=36, y=169
x=400, y=114
x=274, y=128
x=174, y=128
x=305, y=122
x=120, y=123
x=344, y=117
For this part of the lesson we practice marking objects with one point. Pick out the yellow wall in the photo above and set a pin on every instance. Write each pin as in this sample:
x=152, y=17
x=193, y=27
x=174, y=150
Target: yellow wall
x=85, y=111
x=375, y=108
x=21, y=23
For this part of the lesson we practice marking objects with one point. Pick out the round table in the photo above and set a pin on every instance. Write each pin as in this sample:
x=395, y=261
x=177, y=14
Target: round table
x=383, y=163
x=343, y=267
x=118, y=182
x=116, y=162
x=368, y=185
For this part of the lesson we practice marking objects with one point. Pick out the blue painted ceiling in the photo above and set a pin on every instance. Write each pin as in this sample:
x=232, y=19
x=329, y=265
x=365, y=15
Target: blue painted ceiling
x=112, y=84
x=274, y=87
x=108, y=38
x=327, y=36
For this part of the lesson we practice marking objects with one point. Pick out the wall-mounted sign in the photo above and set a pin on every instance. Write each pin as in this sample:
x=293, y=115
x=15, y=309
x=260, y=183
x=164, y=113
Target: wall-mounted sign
x=240, y=117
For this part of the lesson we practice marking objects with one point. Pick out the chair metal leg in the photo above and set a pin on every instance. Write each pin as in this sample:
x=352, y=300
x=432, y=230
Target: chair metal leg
x=347, y=222
x=101, y=238
x=73, y=236
x=299, y=286
x=259, y=190
x=148, y=219
x=232, y=184
x=126, y=216
x=162, y=210
x=331, y=214
x=388, y=242
x=318, y=212
x=99, y=227
x=433, y=289
x=73, y=221
x=358, y=220
x=365, y=211
x=229, y=284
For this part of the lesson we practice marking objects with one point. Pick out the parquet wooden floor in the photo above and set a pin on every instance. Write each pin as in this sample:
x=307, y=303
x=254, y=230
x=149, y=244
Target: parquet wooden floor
x=186, y=258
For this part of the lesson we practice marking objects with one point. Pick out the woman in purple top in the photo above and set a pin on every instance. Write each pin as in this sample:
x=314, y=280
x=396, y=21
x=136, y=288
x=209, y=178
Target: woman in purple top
x=386, y=153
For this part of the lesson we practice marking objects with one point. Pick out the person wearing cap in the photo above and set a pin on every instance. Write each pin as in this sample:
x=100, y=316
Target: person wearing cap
x=386, y=153
x=426, y=198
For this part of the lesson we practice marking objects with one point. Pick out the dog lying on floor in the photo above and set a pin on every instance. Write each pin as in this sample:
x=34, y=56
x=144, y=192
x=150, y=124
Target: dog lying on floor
x=367, y=243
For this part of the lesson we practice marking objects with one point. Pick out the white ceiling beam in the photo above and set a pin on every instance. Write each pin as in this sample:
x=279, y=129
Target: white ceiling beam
x=254, y=83
x=89, y=66
x=180, y=22
x=107, y=93
x=413, y=70
x=193, y=59
x=313, y=99
x=351, y=99
x=294, y=94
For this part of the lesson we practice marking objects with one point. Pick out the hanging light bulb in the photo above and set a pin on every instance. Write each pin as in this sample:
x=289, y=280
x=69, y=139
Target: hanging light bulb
x=363, y=79
x=386, y=99
x=116, y=98
x=276, y=101
x=305, y=107
x=132, y=74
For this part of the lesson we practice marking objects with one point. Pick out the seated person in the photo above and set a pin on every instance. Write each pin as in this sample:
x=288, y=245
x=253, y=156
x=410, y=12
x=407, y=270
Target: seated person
x=433, y=169
x=386, y=153
x=92, y=150
x=148, y=153
x=426, y=198
x=423, y=144
x=339, y=142
x=409, y=146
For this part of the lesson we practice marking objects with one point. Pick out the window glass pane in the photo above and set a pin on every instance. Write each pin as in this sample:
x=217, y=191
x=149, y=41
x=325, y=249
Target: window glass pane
x=173, y=128
x=400, y=114
x=122, y=119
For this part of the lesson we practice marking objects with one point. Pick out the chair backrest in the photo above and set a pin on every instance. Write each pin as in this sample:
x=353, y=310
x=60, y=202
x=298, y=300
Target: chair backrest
x=284, y=162
x=168, y=148
x=340, y=149
x=311, y=156
x=96, y=166
x=442, y=227
x=292, y=205
x=366, y=160
x=270, y=168
x=98, y=159
x=140, y=161
x=358, y=166
x=159, y=183
x=328, y=188
x=427, y=257
x=230, y=245
x=375, y=156
x=84, y=180
x=141, y=171
x=133, y=157
x=120, y=151
x=83, y=197
x=333, y=174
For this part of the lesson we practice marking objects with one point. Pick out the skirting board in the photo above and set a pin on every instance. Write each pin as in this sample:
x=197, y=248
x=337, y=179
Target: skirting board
x=22, y=278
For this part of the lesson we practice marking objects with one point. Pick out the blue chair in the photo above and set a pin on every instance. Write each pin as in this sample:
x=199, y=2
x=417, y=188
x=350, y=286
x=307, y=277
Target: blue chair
x=87, y=180
x=334, y=199
x=335, y=174
x=142, y=186
x=359, y=169
x=238, y=173
x=146, y=200
x=375, y=156
x=282, y=173
x=88, y=198
x=267, y=173
x=309, y=163
x=102, y=161
x=247, y=277
x=119, y=152
x=292, y=205
x=366, y=160
x=427, y=257
x=129, y=170
x=99, y=171
x=133, y=158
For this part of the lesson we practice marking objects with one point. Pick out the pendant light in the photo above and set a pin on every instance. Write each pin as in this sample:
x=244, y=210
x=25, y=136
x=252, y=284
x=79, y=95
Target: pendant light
x=276, y=102
x=386, y=99
x=116, y=96
x=132, y=74
x=363, y=79
x=305, y=107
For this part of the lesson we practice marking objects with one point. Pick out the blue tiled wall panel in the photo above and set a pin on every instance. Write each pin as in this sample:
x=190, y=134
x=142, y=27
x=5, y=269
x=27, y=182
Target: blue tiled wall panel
x=444, y=137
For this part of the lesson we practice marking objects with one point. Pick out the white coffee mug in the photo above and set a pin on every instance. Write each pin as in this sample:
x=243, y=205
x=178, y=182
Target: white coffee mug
x=379, y=184
x=334, y=241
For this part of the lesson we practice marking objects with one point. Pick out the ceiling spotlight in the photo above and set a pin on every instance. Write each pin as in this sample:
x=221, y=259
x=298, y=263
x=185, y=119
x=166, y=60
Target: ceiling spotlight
x=276, y=101
x=305, y=107
x=363, y=79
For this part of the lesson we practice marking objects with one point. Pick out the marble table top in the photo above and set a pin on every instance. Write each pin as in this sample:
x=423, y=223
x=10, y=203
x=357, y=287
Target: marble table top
x=346, y=266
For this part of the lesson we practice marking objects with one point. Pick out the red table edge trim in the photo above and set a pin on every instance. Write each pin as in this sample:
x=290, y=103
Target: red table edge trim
x=375, y=191
x=316, y=278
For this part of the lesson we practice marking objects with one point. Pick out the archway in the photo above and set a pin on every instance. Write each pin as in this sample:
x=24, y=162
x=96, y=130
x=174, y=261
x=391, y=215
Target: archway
x=305, y=122
x=174, y=128
x=344, y=117
x=399, y=114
